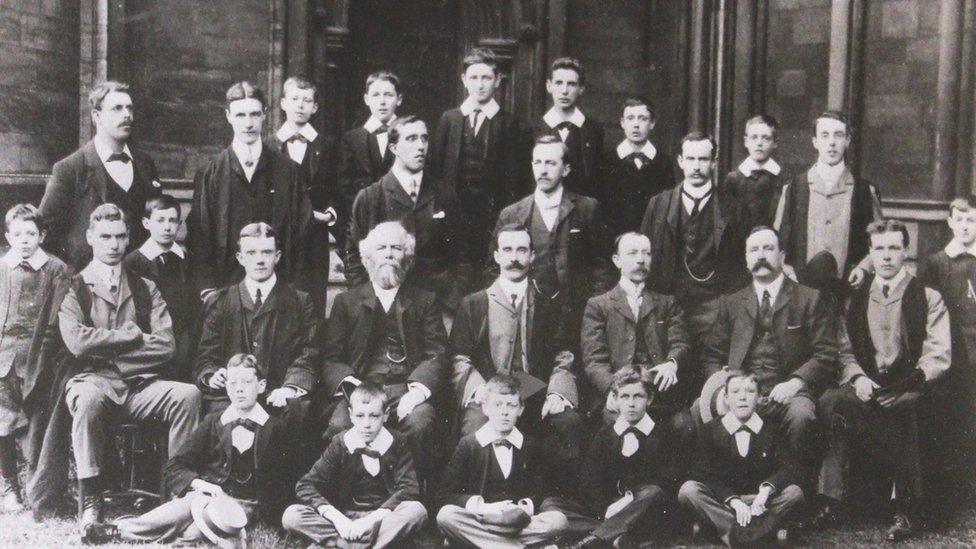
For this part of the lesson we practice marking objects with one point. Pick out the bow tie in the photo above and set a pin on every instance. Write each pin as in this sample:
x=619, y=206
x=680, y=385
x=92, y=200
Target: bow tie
x=633, y=430
x=638, y=156
x=121, y=157
x=565, y=126
x=504, y=443
x=744, y=429
x=298, y=138
x=368, y=452
x=26, y=266
x=248, y=424
x=382, y=129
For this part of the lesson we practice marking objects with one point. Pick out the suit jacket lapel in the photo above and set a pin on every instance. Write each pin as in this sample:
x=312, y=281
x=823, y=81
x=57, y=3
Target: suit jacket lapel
x=621, y=305
x=455, y=131
x=674, y=209
x=530, y=303
x=565, y=207
x=719, y=216
x=427, y=192
x=743, y=329
x=96, y=175
x=393, y=189
x=523, y=210
x=784, y=297
x=261, y=439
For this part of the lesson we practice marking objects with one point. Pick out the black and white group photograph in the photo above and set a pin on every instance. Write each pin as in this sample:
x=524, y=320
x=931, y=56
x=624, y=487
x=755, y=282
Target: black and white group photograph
x=432, y=274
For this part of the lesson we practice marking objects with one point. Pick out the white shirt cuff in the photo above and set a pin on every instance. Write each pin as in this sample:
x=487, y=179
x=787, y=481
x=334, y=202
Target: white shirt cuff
x=526, y=505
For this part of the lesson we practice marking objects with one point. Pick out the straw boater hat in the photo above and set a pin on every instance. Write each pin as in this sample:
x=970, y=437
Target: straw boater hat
x=221, y=519
x=708, y=401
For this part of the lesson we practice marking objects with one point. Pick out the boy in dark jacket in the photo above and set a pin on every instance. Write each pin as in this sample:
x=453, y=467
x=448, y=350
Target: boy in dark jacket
x=363, y=490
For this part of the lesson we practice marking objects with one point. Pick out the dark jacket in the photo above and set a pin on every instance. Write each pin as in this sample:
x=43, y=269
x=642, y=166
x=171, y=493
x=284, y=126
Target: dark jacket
x=350, y=336
x=727, y=474
x=803, y=329
x=661, y=225
x=359, y=167
x=608, y=474
x=503, y=162
x=467, y=472
x=758, y=193
x=282, y=335
x=434, y=221
x=207, y=455
x=627, y=190
x=79, y=183
x=585, y=175
x=610, y=332
x=330, y=480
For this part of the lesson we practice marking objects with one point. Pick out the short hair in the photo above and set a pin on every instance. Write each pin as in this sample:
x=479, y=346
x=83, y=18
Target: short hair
x=761, y=228
x=385, y=76
x=259, y=229
x=620, y=238
x=763, y=118
x=549, y=139
x=503, y=384
x=739, y=374
x=839, y=116
x=696, y=135
x=511, y=228
x=106, y=212
x=245, y=360
x=963, y=203
x=409, y=240
x=161, y=202
x=100, y=91
x=24, y=212
x=367, y=391
x=640, y=101
x=568, y=63
x=301, y=83
x=885, y=226
x=244, y=90
x=480, y=56
x=627, y=376
x=399, y=122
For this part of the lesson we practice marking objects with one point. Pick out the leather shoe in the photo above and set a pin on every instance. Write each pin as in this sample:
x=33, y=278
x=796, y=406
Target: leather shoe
x=589, y=542
x=901, y=528
x=91, y=510
x=825, y=517
x=99, y=533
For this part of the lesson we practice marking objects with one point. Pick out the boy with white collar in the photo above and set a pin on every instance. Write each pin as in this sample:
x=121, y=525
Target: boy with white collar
x=256, y=475
x=363, y=491
x=757, y=182
x=165, y=262
x=492, y=484
x=629, y=471
x=636, y=169
x=581, y=134
x=744, y=482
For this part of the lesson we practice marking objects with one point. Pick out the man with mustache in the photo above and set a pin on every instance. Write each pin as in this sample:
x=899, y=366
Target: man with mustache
x=390, y=332
x=782, y=333
x=426, y=207
x=696, y=231
x=511, y=328
x=106, y=169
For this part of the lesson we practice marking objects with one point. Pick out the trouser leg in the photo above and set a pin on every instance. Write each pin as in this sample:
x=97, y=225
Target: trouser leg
x=842, y=412
x=463, y=526
x=400, y=525
x=306, y=521
x=699, y=499
x=636, y=515
x=579, y=521
x=777, y=511
x=160, y=525
x=174, y=403
x=89, y=407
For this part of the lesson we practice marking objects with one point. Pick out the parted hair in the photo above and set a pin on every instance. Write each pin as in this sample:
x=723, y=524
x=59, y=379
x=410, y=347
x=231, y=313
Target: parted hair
x=640, y=101
x=739, y=374
x=568, y=63
x=401, y=121
x=627, y=376
x=244, y=90
x=889, y=226
x=963, y=203
x=549, y=139
x=765, y=119
x=99, y=91
x=106, y=212
x=24, y=212
x=502, y=384
x=480, y=56
x=244, y=360
x=366, y=392
x=696, y=135
x=256, y=230
x=161, y=202
x=620, y=238
x=840, y=116
x=301, y=83
x=511, y=228
x=386, y=76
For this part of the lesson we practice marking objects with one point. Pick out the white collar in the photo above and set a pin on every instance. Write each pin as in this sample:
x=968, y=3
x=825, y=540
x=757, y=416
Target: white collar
x=830, y=175
x=374, y=123
x=105, y=273
x=697, y=192
x=632, y=290
x=265, y=287
x=381, y=443
x=749, y=165
x=547, y=202
x=245, y=151
x=625, y=148
x=554, y=117
x=404, y=176
x=732, y=423
x=489, y=109
x=151, y=249
x=487, y=434
x=288, y=130
x=257, y=414
x=36, y=260
x=892, y=283
x=513, y=288
x=773, y=288
x=104, y=150
x=954, y=249
x=645, y=425
x=385, y=295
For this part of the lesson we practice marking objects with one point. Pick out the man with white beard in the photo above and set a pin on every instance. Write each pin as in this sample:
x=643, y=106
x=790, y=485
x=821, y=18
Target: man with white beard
x=391, y=334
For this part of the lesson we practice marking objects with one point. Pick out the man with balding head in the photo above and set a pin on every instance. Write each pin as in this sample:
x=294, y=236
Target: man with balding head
x=391, y=333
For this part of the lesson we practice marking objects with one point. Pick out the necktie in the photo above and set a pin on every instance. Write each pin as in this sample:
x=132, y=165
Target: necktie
x=246, y=423
x=367, y=452
x=503, y=443
x=630, y=443
x=766, y=306
x=885, y=290
x=696, y=208
x=257, y=300
x=121, y=157
x=370, y=458
x=475, y=114
x=25, y=266
x=564, y=126
x=382, y=129
x=635, y=305
x=742, y=438
x=415, y=190
x=516, y=364
x=298, y=138
x=638, y=158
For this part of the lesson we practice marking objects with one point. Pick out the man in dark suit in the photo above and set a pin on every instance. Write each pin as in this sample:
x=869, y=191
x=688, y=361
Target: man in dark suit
x=631, y=327
x=781, y=333
x=474, y=152
x=315, y=156
x=245, y=183
x=104, y=170
x=696, y=235
x=389, y=333
x=568, y=232
x=745, y=482
x=364, y=155
x=582, y=135
x=263, y=316
x=425, y=206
